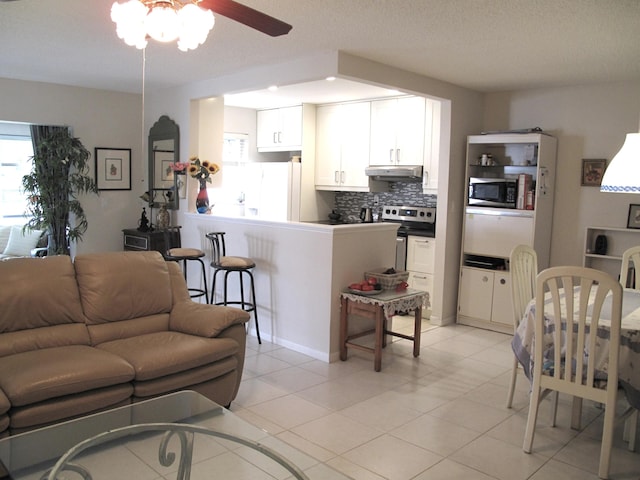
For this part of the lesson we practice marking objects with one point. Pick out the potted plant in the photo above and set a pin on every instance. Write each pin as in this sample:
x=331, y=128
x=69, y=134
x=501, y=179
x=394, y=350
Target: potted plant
x=58, y=176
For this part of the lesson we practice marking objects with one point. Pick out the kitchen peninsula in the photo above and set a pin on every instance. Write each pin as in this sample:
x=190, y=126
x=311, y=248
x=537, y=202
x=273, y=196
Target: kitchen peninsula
x=301, y=268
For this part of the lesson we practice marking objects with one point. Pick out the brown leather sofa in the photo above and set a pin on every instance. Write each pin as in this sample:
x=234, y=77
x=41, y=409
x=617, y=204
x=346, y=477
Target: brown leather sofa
x=107, y=330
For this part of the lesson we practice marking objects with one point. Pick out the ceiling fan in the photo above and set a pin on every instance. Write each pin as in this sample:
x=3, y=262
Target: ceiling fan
x=247, y=16
x=188, y=21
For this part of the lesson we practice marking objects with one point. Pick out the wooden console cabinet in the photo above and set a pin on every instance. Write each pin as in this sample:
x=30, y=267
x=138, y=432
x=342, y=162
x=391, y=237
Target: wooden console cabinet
x=134, y=239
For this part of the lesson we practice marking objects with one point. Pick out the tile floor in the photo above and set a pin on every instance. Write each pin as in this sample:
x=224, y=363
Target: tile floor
x=439, y=416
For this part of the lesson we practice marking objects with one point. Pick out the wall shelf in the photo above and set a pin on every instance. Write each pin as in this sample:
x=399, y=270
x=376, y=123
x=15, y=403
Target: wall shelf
x=618, y=240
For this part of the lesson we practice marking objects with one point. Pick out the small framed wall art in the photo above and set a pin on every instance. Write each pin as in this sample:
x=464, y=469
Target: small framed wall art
x=592, y=171
x=113, y=168
x=633, y=221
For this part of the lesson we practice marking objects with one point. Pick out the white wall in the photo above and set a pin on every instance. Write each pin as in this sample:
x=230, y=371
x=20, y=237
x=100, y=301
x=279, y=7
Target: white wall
x=589, y=121
x=100, y=119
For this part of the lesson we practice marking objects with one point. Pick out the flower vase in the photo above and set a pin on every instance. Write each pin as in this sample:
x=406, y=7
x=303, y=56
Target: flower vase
x=202, y=200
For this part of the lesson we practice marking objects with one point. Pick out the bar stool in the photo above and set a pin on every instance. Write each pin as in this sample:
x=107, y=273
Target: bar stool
x=174, y=252
x=221, y=263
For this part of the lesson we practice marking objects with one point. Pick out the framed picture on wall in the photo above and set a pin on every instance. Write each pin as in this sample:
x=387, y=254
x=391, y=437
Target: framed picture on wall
x=113, y=168
x=633, y=220
x=592, y=171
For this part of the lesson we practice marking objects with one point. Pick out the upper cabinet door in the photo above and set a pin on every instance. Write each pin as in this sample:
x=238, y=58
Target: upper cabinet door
x=397, y=131
x=268, y=127
x=279, y=129
x=291, y=127
x=342, y=146
x=410, y=131
x=383, y=132
x=328, y=146
x=355, y=143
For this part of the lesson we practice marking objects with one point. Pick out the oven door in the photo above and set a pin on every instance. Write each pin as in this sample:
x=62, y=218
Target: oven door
x=401, y=254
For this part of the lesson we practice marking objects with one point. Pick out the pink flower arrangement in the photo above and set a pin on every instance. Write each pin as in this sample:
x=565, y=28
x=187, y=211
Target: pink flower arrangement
x=179, y=166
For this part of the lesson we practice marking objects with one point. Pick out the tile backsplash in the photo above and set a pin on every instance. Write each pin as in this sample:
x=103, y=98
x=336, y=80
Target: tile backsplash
x=350, y=203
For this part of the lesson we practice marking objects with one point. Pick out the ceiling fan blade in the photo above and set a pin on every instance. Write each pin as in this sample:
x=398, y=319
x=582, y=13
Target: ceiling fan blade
x=247, y=16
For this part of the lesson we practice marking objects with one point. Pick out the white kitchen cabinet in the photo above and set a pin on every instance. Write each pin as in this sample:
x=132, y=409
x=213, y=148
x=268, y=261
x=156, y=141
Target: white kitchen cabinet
x=398, y=131
x=486, y=297
x=421, y=257
x=489, y=233
x=342, y=147
x=432, y=145
x=279, y=129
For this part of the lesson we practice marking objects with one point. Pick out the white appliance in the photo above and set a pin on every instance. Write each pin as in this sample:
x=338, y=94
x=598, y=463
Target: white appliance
x=272, y=191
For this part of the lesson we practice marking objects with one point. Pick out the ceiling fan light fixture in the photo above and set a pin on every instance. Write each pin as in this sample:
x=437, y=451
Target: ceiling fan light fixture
x=195, y=25
x=161, y=23
x=164, y=21
x=129, y=18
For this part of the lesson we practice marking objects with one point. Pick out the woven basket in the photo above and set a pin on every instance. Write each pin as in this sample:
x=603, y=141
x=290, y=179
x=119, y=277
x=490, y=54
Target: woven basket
x=388, y=281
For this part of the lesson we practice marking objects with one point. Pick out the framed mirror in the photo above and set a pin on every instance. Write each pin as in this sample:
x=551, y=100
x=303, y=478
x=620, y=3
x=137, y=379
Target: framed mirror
x=164, y=150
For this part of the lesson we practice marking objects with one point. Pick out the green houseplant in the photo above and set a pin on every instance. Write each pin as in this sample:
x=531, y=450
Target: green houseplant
x=58, y=176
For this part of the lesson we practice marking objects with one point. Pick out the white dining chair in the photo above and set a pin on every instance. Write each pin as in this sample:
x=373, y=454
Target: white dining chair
x=570, y=365
x=523, y=268
x=630, y=256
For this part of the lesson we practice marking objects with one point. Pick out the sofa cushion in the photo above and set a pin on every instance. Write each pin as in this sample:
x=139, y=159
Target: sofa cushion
x=43, y=337
x=21, y=243
x=38, y=292
x=44, y=413
x=118, y=286
x=106, y=332
x=165, y=353
x=49, y=373
x=196, y=376
x=4, y=403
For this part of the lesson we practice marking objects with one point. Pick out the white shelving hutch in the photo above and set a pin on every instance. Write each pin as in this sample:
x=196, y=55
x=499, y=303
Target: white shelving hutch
x=489, y=234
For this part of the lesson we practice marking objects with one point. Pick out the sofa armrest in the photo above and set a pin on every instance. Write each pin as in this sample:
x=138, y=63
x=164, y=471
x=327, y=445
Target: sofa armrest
x=204, y=320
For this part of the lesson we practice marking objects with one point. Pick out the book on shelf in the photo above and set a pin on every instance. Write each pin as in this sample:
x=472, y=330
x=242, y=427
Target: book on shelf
x=524, y=200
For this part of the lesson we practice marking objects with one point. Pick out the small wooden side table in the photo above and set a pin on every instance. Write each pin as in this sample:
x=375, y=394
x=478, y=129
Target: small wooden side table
x=380, y=307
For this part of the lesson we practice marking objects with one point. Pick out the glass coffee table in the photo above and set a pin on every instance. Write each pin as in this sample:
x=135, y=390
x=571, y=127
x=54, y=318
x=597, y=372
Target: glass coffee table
x=181, y=435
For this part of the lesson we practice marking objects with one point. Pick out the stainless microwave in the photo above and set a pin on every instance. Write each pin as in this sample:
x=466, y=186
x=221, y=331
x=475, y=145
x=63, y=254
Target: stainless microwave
x=493, y=192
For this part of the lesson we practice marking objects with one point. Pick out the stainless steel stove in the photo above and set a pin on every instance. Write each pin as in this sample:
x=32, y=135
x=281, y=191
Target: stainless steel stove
x=419, y=221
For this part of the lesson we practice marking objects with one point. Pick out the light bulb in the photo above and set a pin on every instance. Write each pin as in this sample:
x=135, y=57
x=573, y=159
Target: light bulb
x=162, y=24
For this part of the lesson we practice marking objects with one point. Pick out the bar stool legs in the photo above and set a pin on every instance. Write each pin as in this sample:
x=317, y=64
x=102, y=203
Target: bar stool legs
x=197, y=292
x=243, y=266
x=246, y=305
x=176, y=253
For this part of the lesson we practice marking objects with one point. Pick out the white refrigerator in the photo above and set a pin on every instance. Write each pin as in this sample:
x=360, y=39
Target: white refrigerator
x=272, y=191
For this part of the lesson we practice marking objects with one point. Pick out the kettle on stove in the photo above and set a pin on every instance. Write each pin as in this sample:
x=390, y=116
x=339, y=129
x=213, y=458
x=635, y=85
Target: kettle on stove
x=366, y=215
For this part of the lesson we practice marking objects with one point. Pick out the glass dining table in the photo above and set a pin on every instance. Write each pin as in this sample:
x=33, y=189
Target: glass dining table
x=629, y=360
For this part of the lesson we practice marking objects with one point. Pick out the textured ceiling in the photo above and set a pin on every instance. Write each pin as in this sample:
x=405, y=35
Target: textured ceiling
x=485, y=45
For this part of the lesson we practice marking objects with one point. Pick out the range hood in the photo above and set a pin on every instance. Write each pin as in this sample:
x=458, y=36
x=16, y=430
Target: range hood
x=395, y=173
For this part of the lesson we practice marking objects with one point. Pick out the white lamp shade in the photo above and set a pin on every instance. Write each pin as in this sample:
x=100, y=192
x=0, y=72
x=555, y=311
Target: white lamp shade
x=623, y=173
x=164, y=22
